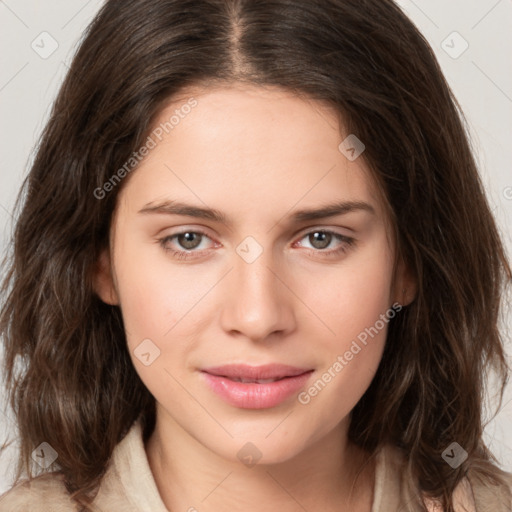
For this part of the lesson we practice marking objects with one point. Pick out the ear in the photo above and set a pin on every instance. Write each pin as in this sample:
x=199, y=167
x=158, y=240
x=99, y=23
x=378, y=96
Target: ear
x=103, y=281
x=406, y=285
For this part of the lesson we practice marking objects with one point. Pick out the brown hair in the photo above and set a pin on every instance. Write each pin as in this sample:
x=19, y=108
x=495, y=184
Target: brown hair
x=68, y=371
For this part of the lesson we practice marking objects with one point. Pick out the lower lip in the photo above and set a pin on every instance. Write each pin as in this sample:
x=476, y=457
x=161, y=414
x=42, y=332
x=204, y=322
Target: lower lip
x=253, y=395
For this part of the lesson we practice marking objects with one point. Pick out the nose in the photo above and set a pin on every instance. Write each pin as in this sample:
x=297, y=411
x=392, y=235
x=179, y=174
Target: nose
x=257, y=303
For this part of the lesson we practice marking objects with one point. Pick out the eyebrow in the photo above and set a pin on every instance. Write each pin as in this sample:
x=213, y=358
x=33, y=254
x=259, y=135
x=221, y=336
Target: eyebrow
x=329, y=210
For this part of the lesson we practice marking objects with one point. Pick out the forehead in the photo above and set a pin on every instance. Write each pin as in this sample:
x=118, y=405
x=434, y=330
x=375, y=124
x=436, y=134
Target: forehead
x=246, y=149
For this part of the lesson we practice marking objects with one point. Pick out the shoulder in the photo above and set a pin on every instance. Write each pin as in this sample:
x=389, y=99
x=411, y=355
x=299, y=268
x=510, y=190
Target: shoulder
x=489, y=497
x=473, y=494
x=463, y=500
x=126, y=485
x=45, y=493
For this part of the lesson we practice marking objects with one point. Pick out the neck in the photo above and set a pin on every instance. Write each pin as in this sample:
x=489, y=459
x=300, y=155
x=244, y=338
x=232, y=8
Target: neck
x=331, y=475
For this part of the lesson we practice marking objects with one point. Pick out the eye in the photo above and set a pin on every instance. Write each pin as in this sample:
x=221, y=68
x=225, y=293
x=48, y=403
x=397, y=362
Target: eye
x=322, y=239
x=188, y=242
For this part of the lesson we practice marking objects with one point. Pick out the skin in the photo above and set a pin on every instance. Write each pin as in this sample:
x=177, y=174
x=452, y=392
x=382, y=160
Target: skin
x=257, y=155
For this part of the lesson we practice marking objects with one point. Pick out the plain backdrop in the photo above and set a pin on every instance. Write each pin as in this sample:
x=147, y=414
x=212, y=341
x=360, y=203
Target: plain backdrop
x=471, y=38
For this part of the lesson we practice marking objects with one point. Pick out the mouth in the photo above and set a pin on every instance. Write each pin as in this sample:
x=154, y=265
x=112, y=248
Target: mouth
x=263, y=374
x=252, y=381
x=255, y=387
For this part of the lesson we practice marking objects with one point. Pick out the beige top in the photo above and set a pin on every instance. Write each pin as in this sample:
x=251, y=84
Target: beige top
x=129, y=486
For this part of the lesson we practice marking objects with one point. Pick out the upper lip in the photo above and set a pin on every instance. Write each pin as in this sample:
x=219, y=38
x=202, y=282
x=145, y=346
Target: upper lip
x=267, y=371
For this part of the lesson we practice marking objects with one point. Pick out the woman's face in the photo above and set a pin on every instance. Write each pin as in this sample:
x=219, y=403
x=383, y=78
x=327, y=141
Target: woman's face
x=260, y=286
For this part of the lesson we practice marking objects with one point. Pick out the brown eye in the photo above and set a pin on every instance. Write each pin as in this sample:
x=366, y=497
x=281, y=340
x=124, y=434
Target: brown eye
x=185, y=243
x=189, y=240
x=326, y=243
x=320, y=239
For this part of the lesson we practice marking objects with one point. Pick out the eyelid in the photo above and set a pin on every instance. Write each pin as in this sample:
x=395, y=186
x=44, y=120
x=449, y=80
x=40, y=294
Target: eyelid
x=314, y=228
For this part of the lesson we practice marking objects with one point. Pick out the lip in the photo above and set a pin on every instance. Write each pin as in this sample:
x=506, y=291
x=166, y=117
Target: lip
x=255, y=395
x=266, y=371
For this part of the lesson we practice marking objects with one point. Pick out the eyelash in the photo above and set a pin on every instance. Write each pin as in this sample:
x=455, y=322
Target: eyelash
x=347, y=243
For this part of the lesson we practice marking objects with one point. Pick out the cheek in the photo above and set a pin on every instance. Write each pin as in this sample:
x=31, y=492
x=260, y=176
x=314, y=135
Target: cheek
x=352, y=296
x=154, y=297
x=152, y=304
x=164, y=305
x=354, y=306
x=350, y=362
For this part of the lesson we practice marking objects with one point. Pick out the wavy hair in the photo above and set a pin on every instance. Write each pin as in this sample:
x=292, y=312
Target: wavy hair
x=68, y=372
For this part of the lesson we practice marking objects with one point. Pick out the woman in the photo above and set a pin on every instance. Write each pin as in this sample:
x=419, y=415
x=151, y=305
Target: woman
x=254, y=269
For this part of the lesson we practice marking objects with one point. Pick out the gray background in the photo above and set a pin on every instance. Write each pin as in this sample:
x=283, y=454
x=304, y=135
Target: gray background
x=33, y=65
